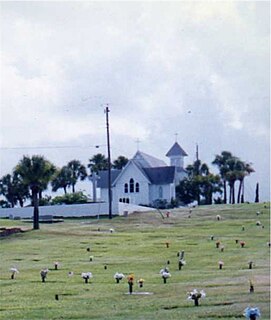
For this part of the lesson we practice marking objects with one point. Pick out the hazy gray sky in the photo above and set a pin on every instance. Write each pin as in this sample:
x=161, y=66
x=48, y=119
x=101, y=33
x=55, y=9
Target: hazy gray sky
x=199, y=69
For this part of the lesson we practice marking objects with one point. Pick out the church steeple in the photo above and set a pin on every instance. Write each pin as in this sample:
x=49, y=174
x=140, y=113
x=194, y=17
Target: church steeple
x=176, y=155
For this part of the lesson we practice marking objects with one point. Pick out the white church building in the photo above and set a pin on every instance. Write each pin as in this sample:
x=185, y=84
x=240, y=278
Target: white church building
x=145, y=179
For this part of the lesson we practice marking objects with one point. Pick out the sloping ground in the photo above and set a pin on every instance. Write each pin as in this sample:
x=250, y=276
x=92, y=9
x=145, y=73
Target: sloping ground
x=141, y=243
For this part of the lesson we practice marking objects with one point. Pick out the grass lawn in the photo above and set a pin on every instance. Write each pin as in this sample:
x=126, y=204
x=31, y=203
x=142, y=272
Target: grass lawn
x=138, y=245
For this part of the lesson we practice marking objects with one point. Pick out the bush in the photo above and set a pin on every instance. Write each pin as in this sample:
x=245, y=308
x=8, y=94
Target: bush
x=70, y=198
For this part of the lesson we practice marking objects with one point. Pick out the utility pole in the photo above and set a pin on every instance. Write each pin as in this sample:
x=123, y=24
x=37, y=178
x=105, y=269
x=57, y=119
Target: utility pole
x=109, y=166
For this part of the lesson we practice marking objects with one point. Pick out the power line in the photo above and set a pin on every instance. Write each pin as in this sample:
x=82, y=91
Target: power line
x=52, y=147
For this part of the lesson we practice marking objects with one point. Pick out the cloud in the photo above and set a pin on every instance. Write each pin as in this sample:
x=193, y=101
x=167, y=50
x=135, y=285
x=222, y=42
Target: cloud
x=199, y=69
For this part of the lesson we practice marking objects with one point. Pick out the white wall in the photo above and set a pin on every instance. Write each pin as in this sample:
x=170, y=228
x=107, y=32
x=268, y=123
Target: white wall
x=73, y=210
x=167, y=192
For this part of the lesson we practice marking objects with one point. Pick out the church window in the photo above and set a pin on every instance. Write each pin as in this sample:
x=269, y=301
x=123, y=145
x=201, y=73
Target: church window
x=123, y=200
x=132, y=185
x=120, y=200
x=160, y=192
x=127, y=200
x=126, y=188
x=137, y=187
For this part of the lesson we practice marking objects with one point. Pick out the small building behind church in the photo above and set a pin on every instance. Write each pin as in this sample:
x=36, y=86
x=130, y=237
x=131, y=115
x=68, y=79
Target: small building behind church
x=145, y=180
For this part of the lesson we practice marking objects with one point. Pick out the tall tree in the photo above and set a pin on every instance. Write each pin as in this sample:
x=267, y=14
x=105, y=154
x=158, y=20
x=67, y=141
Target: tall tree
x=257, y=193
x=62, y=179
x=35, y=172
x=200, y=184
x=243, y=170
x=120, y=162
x=78, y=171
x=221, y=161
x=13, y=189
x=98, y=163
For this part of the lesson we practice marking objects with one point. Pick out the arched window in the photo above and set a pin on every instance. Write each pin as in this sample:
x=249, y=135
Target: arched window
x=120, y=199
x=126, y=188
x=160, y=192
x=132, y=185
x=127, y=200
x=137, y=187
x=123, y=200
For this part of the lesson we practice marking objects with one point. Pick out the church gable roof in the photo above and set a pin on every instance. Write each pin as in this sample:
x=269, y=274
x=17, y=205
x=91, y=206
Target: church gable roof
x=145, y=160
x=102, y=182
x=176, y=150
x=160, y=175
x=128, y=165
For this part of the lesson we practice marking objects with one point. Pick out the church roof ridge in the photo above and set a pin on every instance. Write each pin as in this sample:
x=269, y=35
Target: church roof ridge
x=176, y=150
x=151, y=161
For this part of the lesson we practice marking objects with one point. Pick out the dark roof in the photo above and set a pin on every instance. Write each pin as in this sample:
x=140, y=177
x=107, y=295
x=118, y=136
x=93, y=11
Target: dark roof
x=160, y=175
x=176, y=150
x=102, y=181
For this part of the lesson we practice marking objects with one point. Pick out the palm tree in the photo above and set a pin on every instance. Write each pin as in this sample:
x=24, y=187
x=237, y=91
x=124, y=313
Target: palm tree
x=35, y=172
x=62, y=179
x=13, y=189
x=120, y=162
x=78, y=171
x=245, y=169
x=221, y=161
x=98, y=163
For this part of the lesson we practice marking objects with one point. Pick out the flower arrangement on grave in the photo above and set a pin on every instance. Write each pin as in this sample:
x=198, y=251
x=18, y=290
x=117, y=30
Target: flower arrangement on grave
x=220, y=264
x=182, y=262
x=131, y=279
x=111, y=230
x=118, y=276
x=218, y=242
x=252, y=313
x=86, y=276
x=218, y=217
x=167, y=244
x=258, y=223
x=56, y=264
x=250, y=264
x=43, y=274
x=140, y=282
x=13, y=272
x=195, y=295
x=222, y=248
x=242, y=244
x=165, y=274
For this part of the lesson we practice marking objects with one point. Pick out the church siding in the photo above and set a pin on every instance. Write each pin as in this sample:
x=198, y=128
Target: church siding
x=132, y=172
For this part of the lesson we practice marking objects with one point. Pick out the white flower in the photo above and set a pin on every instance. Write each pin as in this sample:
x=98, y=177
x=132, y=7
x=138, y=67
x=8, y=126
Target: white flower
x=119, y=276
x=166, y=274
x=86, y=275
x=164, y=270
x=203, y=294
x=195, y=294
x=14, y=270
x=44, y=272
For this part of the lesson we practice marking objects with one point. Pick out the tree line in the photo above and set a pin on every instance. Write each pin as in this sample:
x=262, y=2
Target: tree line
x=201, y=185
x=32, y=176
